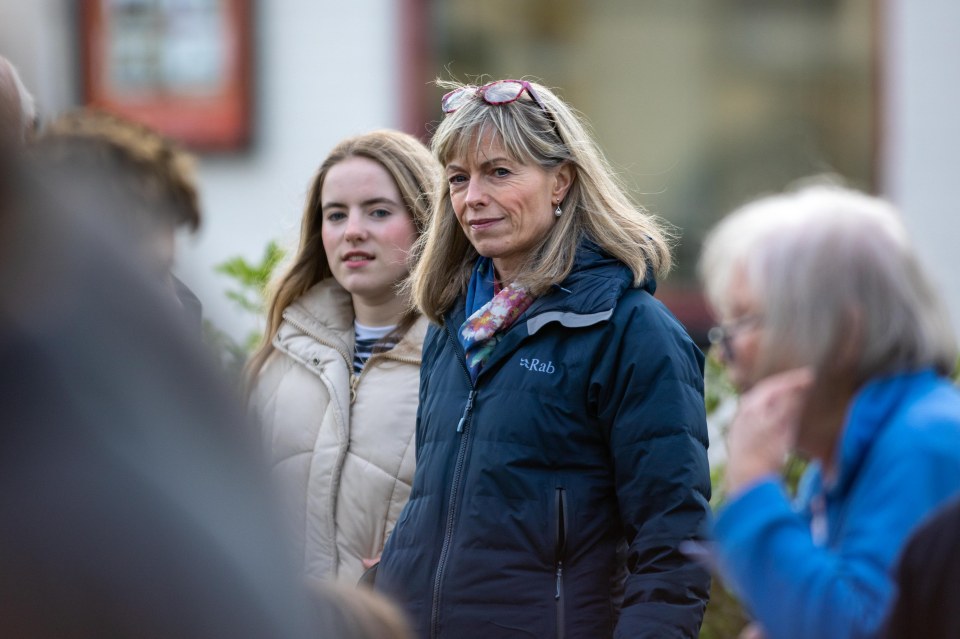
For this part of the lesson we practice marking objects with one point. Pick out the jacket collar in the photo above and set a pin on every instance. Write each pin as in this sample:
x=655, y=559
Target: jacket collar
x=871, y=412
x=873, y=408
x=593, y=286
x=587, y=296
x=326, y=310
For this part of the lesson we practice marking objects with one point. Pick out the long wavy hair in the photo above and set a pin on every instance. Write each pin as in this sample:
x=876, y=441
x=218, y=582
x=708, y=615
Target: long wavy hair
x=413, y=170
x=596, y=206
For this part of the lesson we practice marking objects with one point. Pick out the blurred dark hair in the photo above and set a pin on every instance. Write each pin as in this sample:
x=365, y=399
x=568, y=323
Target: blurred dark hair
x=153, y=172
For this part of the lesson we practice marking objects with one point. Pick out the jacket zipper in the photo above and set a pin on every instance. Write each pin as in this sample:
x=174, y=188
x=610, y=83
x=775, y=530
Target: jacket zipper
x=355, y=379
x=463, y=428
x=561, y=541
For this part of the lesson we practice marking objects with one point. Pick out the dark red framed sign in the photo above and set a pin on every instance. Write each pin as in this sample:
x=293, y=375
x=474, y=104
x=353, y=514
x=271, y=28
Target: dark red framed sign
x=180, y=66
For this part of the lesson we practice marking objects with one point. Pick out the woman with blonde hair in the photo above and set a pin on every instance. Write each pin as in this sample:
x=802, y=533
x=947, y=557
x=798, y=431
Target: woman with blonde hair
x=562, y=438
x=335, y=380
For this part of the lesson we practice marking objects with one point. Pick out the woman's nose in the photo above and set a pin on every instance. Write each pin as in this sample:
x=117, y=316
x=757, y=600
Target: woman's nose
x=476, y=194
x=355, y=228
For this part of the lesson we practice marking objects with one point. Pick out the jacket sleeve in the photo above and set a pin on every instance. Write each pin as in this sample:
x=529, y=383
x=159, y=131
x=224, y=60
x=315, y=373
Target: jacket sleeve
x=650, y=399
x=797, y=588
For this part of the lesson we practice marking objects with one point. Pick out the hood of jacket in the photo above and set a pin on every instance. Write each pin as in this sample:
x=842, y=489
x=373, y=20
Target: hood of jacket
x=326, y=311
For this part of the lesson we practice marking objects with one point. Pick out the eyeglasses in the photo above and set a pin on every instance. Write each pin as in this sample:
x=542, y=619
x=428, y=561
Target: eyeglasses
x=722, y=335
x=496, y=93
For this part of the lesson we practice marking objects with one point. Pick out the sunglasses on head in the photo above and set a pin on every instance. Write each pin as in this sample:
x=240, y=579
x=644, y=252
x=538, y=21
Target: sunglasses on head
x=494, y=93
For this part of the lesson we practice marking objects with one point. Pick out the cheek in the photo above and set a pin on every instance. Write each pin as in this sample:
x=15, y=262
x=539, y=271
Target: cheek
x=400, y=236
x=456, y=203
x=746, y=353
x=329, y=238
x=537, y=223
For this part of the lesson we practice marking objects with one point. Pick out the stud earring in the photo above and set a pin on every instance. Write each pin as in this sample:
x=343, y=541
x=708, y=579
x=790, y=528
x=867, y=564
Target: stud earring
x=558, y=212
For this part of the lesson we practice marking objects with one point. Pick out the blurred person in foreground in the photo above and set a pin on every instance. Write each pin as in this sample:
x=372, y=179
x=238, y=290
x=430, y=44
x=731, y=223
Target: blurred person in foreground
x=928, y=580
x=359, y=613
x=18, y=112
x=840, y=346
x=335, y=380
x=561, y=448
x=130, y=504
x=148, y=180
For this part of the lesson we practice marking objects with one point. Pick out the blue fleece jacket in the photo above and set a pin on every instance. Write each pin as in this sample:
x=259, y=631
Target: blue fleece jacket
x=822, y=568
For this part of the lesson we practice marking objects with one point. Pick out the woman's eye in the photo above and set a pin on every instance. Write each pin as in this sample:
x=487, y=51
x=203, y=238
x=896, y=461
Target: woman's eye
x=334, y=216
x=501, y=171
x=457, y=179
x=380, y=213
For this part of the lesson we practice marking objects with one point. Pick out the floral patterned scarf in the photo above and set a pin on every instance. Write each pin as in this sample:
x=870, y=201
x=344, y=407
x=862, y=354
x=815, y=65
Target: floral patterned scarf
x=490, y=314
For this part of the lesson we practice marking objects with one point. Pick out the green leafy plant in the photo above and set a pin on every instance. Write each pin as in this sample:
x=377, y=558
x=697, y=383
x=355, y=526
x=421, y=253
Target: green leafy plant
x=248, y=293
x=725, y=616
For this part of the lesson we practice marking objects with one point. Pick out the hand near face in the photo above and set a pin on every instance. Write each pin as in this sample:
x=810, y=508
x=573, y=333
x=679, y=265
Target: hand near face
x=764, y=429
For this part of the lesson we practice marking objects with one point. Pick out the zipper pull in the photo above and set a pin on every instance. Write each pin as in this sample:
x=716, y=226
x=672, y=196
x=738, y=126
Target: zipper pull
x=559, y=579
x=466, y=411
x=354, y=382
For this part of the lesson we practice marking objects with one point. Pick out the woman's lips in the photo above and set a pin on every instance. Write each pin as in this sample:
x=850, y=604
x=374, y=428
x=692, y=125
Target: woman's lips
x=357, y=259
x=480, y=225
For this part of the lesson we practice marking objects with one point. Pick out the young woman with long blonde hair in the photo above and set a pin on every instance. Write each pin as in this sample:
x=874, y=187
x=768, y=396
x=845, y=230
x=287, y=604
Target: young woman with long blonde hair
x=335, y=380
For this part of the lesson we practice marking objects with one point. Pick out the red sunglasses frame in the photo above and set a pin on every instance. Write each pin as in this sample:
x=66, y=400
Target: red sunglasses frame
x=481, y=92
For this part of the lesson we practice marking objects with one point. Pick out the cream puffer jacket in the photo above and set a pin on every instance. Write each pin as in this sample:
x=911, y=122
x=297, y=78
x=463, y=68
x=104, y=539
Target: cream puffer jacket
x=341, y=446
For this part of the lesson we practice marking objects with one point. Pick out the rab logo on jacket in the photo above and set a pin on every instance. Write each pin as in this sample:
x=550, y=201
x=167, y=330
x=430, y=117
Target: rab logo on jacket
x=537, y=366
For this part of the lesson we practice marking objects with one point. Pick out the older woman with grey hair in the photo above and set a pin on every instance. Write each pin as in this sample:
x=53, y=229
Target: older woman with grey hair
x=840, y=345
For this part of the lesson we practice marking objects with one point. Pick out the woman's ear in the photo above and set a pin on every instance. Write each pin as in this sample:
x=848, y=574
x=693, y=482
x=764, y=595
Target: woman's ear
x=563, y=179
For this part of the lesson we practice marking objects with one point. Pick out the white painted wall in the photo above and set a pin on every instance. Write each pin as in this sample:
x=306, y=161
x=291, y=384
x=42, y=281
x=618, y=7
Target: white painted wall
x=324, y=70
x=921, y=162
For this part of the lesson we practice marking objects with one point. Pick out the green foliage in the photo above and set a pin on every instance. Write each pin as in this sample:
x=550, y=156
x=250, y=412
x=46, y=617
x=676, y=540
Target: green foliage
x=251, y=279
x=249, y=294
x=725, y=616
x=232, y=356
x=717, y=387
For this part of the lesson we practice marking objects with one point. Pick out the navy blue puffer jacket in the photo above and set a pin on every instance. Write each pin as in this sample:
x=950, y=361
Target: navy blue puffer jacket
x=550, y=497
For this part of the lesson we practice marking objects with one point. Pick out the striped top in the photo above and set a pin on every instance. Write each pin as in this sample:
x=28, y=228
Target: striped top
x=366, y=337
